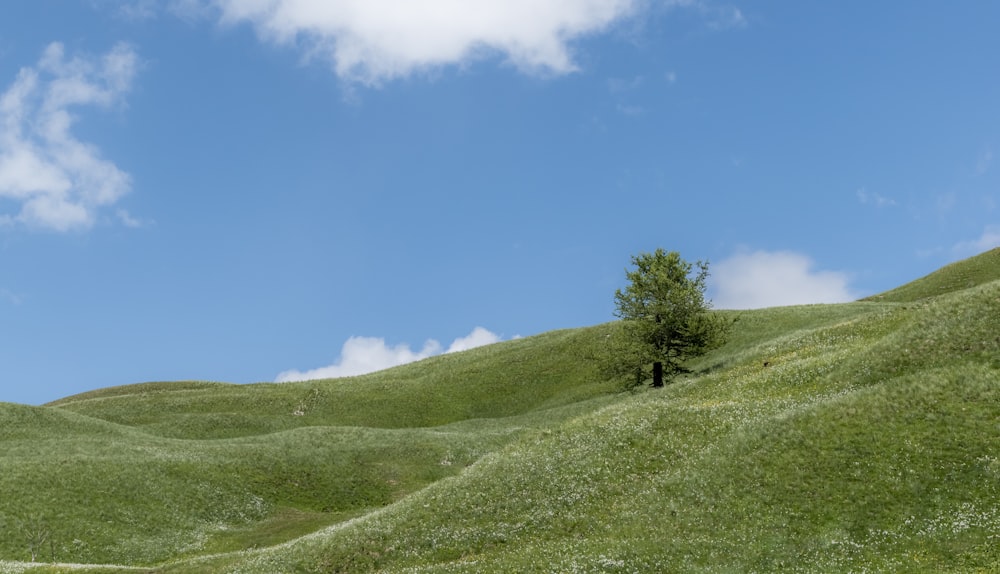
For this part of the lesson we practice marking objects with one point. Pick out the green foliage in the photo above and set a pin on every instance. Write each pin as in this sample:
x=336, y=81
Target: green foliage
x=829, y=438
x=665, y=317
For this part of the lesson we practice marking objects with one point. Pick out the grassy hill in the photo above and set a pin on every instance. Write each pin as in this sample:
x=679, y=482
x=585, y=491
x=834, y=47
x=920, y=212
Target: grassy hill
x=960, y=275
x=870, y=441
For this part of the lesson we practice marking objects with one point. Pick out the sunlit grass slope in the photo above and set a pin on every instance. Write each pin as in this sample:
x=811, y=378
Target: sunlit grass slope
x=862, y=437
x=870, y=444
x=964, y=274
x=507, y=379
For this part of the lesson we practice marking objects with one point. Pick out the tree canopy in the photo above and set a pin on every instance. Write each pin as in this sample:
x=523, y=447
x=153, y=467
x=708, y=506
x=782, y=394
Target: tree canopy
x=665, y=317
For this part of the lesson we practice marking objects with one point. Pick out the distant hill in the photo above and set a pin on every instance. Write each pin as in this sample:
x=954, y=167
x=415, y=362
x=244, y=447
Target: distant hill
x=821, y=438
x=961, y=275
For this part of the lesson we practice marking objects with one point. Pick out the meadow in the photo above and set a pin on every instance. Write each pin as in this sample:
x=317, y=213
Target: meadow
x=860, y=437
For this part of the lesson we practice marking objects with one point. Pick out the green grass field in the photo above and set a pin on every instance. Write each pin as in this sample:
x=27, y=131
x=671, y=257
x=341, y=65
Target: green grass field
x=861, y=437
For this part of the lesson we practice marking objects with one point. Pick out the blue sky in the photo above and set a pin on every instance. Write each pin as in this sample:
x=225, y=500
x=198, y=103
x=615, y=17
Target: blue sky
x=259, y=190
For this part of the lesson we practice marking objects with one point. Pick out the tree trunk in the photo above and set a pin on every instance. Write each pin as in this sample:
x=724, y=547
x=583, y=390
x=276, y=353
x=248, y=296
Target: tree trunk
x=658, y=366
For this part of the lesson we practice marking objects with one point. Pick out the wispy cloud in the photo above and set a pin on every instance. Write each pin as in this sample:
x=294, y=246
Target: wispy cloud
x=127, y=220
x=630, y=110
x=622, y=88
x=145, y=10
x=57, y=181
x=760, y=279
x=360, y=355
x=137, y=10
x=984, y=162
x=989, y=239
x=868, y=198
x=10, y=297
x=945, y=203
x=724, y=17
x=625, y=85
x=371, y=41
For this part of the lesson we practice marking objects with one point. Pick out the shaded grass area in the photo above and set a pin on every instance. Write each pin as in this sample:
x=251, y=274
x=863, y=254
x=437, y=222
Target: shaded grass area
x=121, y=496
x=146, y=499
x=148, y=473
x=831, y=438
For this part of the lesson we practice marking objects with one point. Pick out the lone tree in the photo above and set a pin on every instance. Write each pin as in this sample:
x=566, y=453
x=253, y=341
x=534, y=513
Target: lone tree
x=665, y=318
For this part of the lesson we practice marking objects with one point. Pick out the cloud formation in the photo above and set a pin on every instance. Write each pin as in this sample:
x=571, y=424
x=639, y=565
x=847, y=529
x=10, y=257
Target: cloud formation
x=770, y=279
x=361, y=355
x=56, y=181
x=479, y=337
x=370, y=41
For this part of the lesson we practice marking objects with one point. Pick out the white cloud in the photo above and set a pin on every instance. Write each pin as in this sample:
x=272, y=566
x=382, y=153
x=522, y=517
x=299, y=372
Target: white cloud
x=371, y=41
x=875, y=199
x=770, y=279
x=361, y=355
x=58, y=181
x=989, y=239
x=477, y=338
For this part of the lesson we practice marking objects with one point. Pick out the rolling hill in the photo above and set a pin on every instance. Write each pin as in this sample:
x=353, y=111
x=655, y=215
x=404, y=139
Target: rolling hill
x=822, y=438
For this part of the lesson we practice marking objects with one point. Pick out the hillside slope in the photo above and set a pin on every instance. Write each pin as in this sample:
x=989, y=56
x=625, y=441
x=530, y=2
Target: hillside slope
x=868, y=445
x=965, y=274
x=145, y=473
x=501, y=380
x=855, y=437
